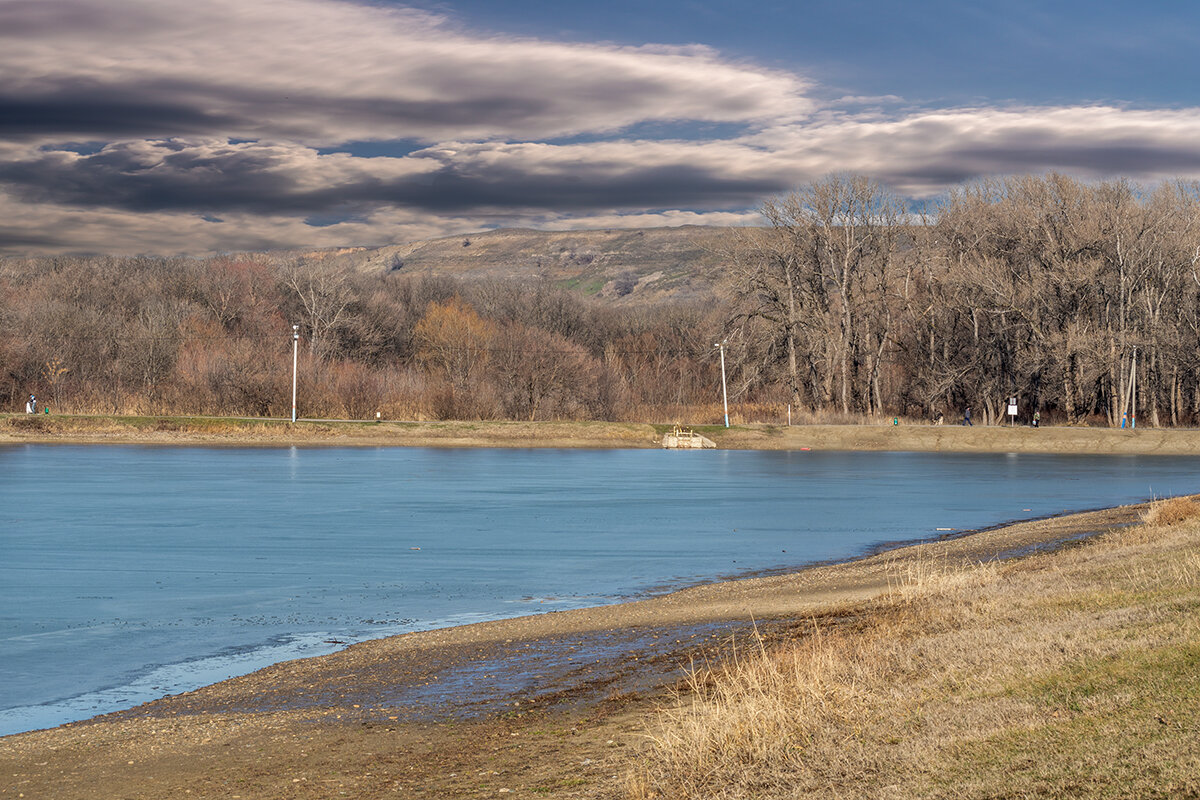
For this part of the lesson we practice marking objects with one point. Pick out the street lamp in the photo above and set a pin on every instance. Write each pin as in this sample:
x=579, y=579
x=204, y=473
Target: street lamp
x=724, y=392
x=295, y=347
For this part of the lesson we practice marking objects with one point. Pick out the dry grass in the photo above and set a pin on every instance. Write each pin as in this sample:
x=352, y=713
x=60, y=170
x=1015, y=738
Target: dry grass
x=1172, y=511
x=746, y=414
x=1071, y=674
x=62, y=425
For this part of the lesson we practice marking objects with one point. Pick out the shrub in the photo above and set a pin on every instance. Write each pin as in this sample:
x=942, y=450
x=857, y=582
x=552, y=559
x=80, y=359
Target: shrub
x=1171, y=512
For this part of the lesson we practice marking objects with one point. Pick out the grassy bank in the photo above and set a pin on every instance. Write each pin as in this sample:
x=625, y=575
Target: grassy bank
x=249, y=431
x=161, y=429
x=1066, y=675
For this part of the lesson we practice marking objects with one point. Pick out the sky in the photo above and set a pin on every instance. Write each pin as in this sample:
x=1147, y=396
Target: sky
x=205, y=126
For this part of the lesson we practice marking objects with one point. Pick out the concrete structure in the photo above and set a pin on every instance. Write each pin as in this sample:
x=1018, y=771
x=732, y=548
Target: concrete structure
x=686, y=439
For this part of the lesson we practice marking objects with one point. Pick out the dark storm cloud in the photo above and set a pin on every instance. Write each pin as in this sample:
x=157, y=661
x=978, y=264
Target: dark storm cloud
x=84, y=114
x=673, y=186
x=17, y=237
x=102, y=181
x=159, y=109
x=162, y=109
x=214, y=177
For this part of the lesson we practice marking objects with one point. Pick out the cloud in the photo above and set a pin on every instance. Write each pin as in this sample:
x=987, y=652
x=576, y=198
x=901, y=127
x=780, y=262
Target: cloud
x=48, y=229
x=209, y=176
x=214, y=177
x=320, y=71
x=209, y=125
x=285, y=195
x=925, y=152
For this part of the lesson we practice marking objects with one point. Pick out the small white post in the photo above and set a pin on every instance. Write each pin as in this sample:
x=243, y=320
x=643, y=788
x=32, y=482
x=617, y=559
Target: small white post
x=295, y=347
x=724, y=392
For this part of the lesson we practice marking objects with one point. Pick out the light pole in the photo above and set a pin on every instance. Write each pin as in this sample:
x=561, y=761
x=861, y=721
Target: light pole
x=295, y=347
x=724, y=392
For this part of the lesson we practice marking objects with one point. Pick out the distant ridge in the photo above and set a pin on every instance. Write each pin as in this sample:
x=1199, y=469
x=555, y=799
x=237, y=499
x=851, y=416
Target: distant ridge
x=621, y=265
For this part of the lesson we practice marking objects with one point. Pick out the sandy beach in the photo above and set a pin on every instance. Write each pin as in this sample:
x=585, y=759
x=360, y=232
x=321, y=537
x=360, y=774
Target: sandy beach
x=550, y=704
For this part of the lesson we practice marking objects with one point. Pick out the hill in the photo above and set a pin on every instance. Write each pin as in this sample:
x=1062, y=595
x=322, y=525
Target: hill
x=627, y=266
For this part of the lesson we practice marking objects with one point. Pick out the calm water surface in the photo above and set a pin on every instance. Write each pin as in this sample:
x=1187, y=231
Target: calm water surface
x=127, y=573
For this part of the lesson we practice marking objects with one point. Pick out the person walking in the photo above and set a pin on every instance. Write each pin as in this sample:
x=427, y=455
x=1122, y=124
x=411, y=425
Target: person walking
x=967, y=417
x=1037, y=418
x=31, y=406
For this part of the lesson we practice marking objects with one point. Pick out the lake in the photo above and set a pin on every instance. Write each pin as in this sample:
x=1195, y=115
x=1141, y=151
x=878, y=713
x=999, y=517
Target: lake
x=128, y=573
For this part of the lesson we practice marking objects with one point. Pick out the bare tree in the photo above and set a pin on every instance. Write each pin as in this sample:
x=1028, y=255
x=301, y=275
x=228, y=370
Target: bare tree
x=325, y=296
x=823, y=274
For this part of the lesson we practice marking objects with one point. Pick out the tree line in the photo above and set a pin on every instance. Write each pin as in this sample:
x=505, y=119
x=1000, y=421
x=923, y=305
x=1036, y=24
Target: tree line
x=1049, y=289
x=847, y=303
x=214, y=336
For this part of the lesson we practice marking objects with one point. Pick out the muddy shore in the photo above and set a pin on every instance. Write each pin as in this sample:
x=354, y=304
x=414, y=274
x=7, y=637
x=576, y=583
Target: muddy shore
x=546, y=705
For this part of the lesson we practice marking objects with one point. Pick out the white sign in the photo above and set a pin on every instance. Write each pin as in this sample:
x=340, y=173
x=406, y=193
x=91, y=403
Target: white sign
x=1012, y=406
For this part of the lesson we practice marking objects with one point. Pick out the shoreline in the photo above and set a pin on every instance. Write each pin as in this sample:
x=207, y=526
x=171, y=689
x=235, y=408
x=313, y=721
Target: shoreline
x=705, y=604
x=883, y=550
x=753, y=598
x=245, y=432
x=655, y=592
x=546, y=698
x=556, y=702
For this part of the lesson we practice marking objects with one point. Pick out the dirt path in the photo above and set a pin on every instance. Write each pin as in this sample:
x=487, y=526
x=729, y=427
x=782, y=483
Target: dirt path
x=549, y=705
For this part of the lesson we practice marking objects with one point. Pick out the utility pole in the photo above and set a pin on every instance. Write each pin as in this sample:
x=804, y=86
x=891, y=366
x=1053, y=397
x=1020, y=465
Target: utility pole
x=1133, y=391
x=724, y=392
x=295, y=347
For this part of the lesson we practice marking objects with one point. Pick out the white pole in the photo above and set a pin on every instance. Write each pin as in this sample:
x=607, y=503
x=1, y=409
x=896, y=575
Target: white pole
x=1133, y=391
x=724, y=391
x=295, y=347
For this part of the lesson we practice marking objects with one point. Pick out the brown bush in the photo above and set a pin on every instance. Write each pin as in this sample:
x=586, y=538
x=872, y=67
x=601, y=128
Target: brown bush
x=1171, y=512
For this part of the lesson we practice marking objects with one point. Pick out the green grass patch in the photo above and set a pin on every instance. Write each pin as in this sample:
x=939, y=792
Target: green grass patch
x=711, y=431
x=1126, y=726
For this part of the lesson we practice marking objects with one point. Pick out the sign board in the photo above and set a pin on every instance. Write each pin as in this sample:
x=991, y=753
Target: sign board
x=1012, y=406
